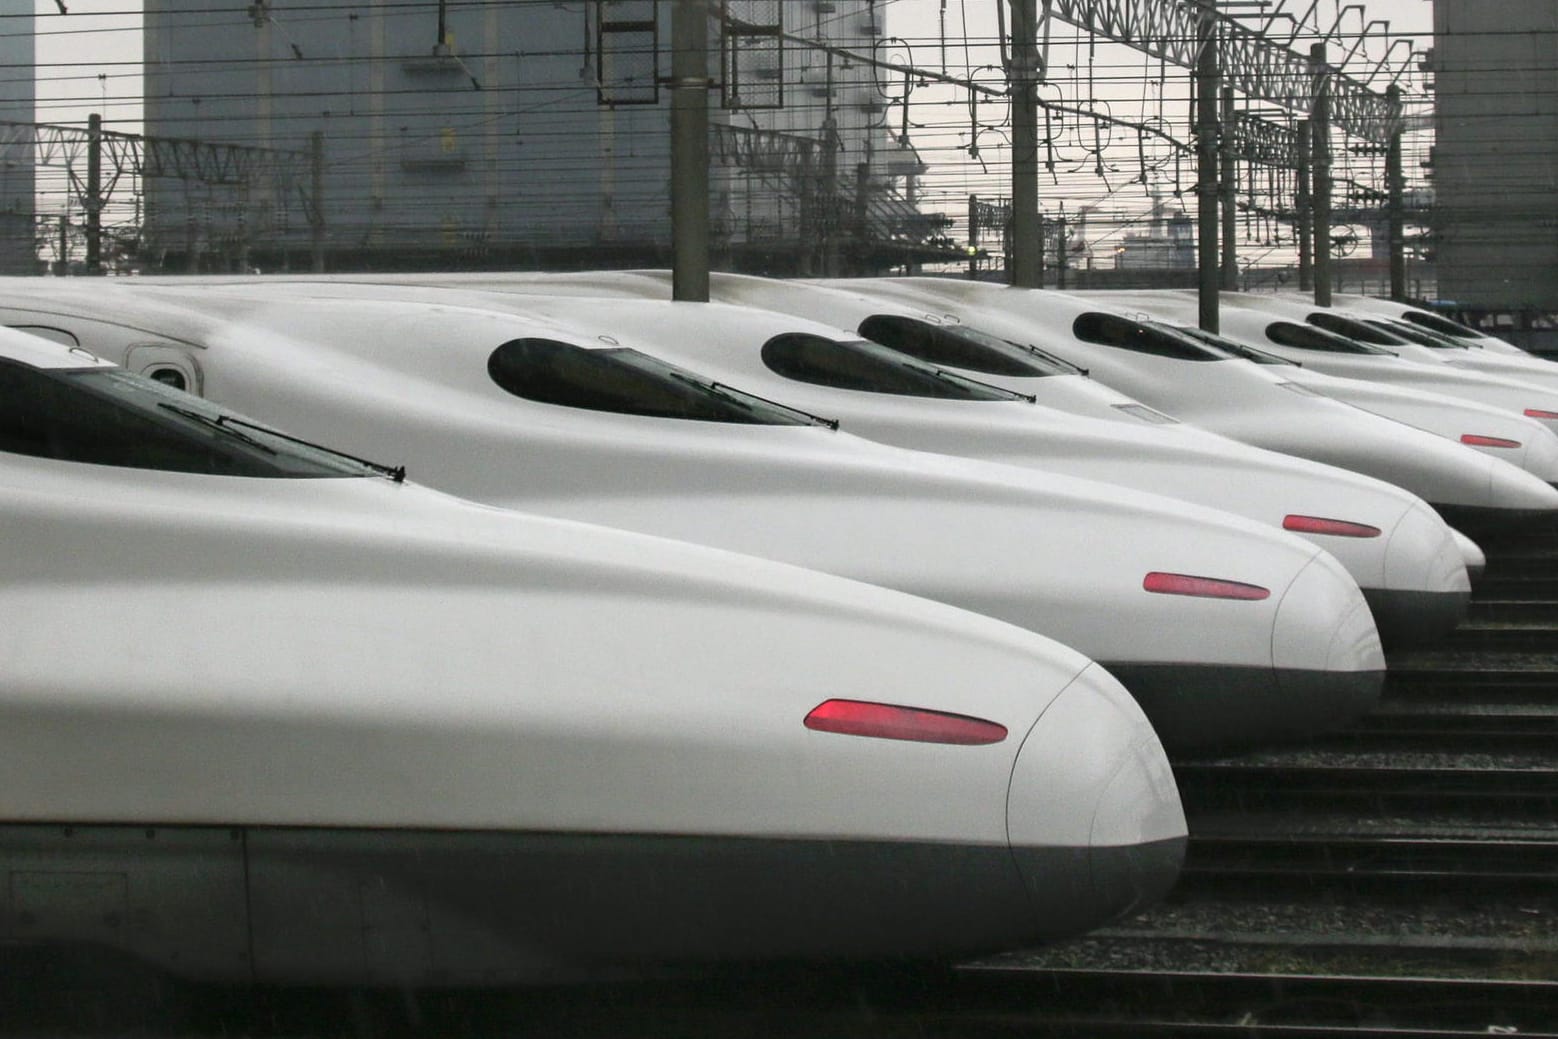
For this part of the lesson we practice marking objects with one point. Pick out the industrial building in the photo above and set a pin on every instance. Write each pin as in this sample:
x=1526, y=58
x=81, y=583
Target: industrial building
x=1495, y=162
x=18, y=177
x=522, y=134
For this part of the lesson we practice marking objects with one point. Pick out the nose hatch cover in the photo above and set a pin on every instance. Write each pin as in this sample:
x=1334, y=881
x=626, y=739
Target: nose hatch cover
x=1093, y=814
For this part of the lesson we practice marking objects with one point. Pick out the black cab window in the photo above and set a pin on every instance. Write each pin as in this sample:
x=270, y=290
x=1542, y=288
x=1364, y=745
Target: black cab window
x=107, y=416
x=1420, y=336
x=1140, y=337
x=1362, y=331
x=1435, y=323
x=959, y=346
x=1236, y=348
x=627, y=382
x=1308, y=337
x=861, y=365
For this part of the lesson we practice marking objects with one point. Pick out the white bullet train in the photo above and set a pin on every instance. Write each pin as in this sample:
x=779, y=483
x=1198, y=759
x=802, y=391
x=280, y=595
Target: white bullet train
x=1227, y=632
x=270, y=714
x=1410, y=565
x=1497, y=432
x=1250, y=403
x=933, y=337
x=1429, y=320
x=1405, y=339
x=1335, y=344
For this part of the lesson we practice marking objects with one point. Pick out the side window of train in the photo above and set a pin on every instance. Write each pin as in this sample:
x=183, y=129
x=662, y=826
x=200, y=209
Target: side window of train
x=625, y=382
x=1308, y=337
x=859, y=365
x=958, y=346
x=1113, y=330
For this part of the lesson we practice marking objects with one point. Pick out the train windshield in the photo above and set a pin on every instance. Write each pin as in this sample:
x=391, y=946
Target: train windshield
x=1308, y=337
x=1141, y=337
x=861, y=365
x=959, y=346
x=1442, y=325
x=1420, y=336
x=1236, y=349
x=628, y=382
x=1362, y=331
x=107, y=416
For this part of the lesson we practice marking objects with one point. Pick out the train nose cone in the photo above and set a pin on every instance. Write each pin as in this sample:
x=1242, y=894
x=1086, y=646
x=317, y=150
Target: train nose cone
x=1472, y=555
x=1326, y=650
x=1516, y=489
x=1514, y=497
x=1093, y=813
x=1426, y=587
x=1541, y=456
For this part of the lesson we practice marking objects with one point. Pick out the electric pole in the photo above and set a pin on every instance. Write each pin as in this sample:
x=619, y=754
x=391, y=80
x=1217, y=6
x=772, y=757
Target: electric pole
x=1395, y=215
x=93, y=203
x=690, y=151
x=1320, y=142
x=1227, y=189
x=1304, y=211
x=1027, y=245
x=1207, y=80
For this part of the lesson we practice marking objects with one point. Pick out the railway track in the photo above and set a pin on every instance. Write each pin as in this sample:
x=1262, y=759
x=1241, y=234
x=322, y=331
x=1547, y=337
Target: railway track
x=969, y=1002
x=1193, y=1003
x=1528, y=790
x=1399, y=878
x=1410, y=867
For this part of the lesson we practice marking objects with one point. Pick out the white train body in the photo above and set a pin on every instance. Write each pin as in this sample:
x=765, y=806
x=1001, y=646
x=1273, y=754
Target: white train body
x=1416, y=342
x=1494, y=431
x=1408, y=563
x=1069, y=558
x=1253, y=404
x=247, y=719
x=1425, y=319
x=1512, y=386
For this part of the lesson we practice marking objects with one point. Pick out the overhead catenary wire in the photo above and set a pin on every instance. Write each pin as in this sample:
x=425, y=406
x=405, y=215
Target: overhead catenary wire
x=1149, y=146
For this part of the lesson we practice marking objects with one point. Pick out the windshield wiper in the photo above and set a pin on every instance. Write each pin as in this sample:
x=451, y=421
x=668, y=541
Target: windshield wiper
x=394, y=472
x=217, y=424
x=734, y=396
x=229, y=424
x=957, y=377
x=1057, y=361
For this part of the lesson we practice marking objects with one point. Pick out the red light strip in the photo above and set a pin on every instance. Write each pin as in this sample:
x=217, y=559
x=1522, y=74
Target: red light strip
x=1335, y=527
x=892, y=722
x=1539, y=413
x=1478, y=440
x=1203, y=587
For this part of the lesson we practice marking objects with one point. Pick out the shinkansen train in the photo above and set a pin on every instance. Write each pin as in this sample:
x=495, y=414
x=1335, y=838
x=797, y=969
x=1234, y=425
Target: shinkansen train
x=1227, y=632
x=1429, y=320
x=1407, y=561
x=1416, y=342
x=1252, y=403
x=1335, y=344
x=270, y=713
x=933, y=337
x=1498, y=432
